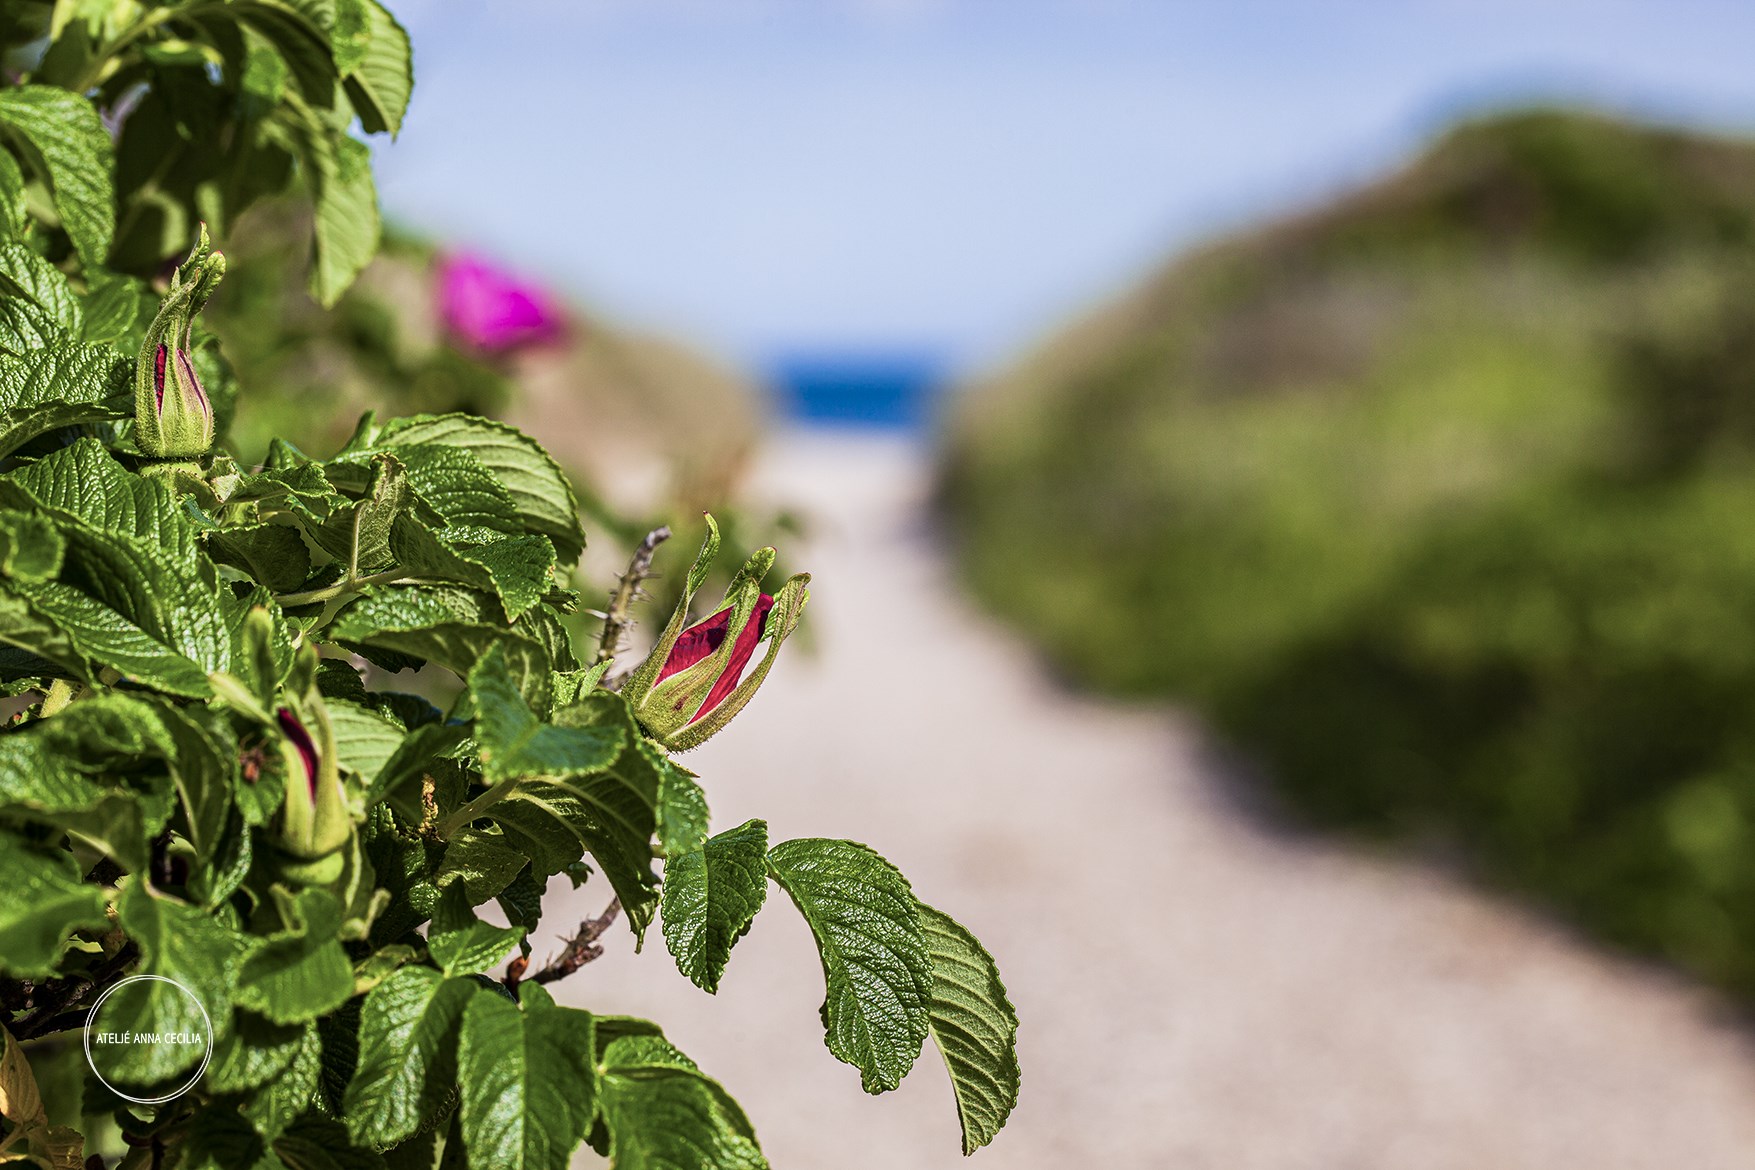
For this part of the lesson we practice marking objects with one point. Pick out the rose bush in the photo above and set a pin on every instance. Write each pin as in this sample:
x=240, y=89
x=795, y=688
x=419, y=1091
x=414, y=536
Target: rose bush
x=219, y=772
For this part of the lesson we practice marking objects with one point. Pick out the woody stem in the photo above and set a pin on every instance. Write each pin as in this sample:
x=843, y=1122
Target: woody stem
x=615, y=619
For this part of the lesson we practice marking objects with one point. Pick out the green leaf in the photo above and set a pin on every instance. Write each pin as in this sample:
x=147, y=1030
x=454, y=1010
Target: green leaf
x=188, y=945
x=110, y=309
x=302, y=972
x=84, y=483
x=663, y=1113
x=515, y=569
x=482, y=861
x=273, y=554
x=57, y=386
x=290, y=1095
x=95, y=770
x=256, y=1052
x=359, y=536
x=875, y=963
x=514, y=743
x=710, y=898
x=65, y=141
x=317, y=1143
x=45, y=903
x=682, y=806
x=347, y=224
x=528, y=1079
x=54, y=315
x=609, y=812
x=539, y=489
x=407, y=1055
x=974, y=1026
x=462, y=944
x=380, y=84
x=446, y=624
x=12, y=200
x=364, y=740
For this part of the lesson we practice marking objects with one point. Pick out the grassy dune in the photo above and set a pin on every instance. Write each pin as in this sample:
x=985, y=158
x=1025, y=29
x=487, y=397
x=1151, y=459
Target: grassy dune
x=1439, y=500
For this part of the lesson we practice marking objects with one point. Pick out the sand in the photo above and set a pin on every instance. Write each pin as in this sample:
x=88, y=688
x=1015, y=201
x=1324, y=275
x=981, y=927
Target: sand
x=1198, y=988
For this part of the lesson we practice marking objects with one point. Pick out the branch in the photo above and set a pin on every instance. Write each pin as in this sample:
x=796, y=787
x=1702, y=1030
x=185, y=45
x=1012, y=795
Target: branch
x=616, y=621
x=580, y=950
x=55, y=1002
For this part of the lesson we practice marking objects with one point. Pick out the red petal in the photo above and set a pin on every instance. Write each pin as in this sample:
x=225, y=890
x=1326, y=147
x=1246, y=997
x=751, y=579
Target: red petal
x=699, y=641
x=301, y=739
x=740, y=656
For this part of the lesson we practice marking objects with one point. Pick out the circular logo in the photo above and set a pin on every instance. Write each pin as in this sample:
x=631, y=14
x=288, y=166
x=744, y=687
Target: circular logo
x=145, y=1030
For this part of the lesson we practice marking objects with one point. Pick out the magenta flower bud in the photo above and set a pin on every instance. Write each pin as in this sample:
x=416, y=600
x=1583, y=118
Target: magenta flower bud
x=314, y=816
x=173, y=418
x=700, y=644
x=697, y=678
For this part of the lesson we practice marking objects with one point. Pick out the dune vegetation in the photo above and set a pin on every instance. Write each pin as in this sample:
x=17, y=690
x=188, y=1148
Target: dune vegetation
x=1436, y=501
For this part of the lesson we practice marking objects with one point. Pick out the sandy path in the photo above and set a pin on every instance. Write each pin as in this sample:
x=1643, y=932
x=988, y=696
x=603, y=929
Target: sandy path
x=1196, y=990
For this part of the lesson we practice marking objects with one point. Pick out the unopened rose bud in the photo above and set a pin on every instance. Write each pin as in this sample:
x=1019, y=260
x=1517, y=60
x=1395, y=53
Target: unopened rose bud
x=173, y=418
x=694, y=681
x=314, y=817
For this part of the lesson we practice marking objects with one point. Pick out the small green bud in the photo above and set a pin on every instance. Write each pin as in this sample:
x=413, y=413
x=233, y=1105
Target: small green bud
x=173, y=418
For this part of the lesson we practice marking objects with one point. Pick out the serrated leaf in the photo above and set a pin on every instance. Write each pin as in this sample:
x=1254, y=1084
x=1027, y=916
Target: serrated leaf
x=513, y=743
x=45, y=903
x=273, y=554
x=65, y=140
x=186, y=944
x=93, y=770
x=379, y=84
x=407, y=1063
x=364, y=740
x=318, y=1143
x=53, y=314
x=528, y=1079
x=45, y=389
x=875, y=963
x=256, y=1051
x=301, y=972
x=609, y=812
x=462, y=944
x=110, y=309
x=20, y=1099
x=515, y=569
x=449, y=625
x=359, y=536
x=663, y=1113
x=538, y=488
x=710, y=898
x=347, y=224
x=12, y=201
x=480, y=860
x=289, y=1096
x=974, y=1026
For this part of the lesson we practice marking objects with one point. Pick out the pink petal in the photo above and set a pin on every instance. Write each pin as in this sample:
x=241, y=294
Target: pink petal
x=491, y=309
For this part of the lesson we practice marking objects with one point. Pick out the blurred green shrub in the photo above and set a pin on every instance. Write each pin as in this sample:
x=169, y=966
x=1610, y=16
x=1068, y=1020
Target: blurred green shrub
x=1437, y=501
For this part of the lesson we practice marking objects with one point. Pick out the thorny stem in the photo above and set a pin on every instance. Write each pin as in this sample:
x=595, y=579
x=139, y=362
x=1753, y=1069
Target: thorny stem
x=626, y=592
x=580, y=950
x=57, y=1013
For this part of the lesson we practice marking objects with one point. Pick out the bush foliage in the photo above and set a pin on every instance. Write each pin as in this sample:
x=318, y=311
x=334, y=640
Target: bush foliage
x=218, y=773
x=1431, y=499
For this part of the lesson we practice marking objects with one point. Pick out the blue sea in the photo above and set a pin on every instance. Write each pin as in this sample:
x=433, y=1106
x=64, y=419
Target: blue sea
x=883, y=391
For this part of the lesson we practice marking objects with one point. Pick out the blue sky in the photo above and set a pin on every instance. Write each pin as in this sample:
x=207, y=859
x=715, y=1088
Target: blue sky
x=953, y=176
